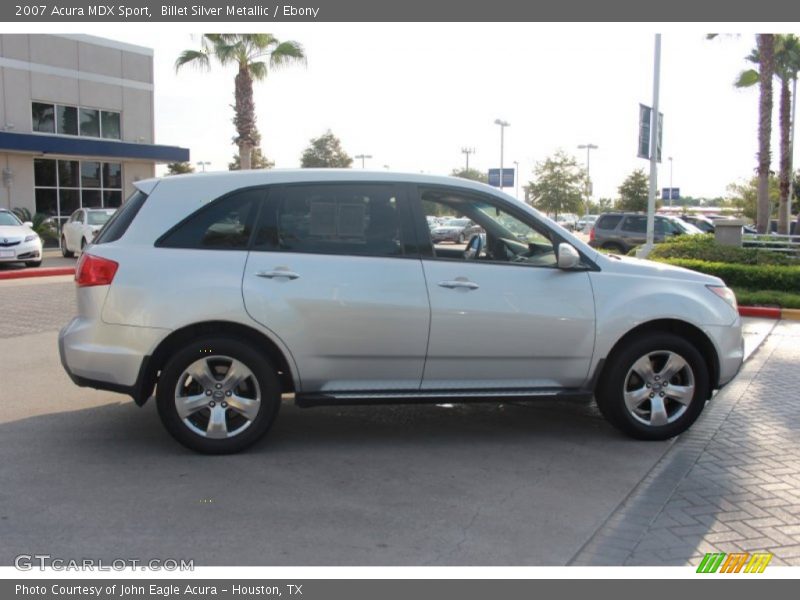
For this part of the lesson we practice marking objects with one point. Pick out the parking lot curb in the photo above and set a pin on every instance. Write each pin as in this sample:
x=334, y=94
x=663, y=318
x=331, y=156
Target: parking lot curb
x=766, y=312
x=40, y=272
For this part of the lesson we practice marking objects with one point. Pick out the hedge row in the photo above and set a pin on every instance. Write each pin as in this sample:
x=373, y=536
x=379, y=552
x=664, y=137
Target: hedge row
x=755, y=277
x=703, y=247
x=747, y=297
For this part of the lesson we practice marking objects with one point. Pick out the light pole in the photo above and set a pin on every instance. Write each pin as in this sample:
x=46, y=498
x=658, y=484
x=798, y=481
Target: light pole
x=669, y=158
x=203, y=164
x=467, y=151
x=654, y=126
x=588, y=147
x=503, y=125
x=516, y=178
x=363, y=157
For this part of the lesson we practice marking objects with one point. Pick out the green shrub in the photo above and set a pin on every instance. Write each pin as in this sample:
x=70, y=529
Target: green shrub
x=759, y=277
x=747, y=297
x=704, y=247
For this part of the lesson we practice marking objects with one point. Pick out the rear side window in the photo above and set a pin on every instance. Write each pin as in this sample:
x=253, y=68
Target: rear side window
x=225, y=224
x=361, y=220
x=608, y=221
x=116, y=227
x=636, y=224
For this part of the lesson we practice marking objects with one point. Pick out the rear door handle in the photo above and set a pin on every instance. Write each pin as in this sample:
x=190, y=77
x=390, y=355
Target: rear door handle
x=459, y=283
x=277, y=273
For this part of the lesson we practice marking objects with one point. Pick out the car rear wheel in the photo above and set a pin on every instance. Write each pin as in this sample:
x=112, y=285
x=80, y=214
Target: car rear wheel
x=218, y=395
x=654, y=388
x=64, y=251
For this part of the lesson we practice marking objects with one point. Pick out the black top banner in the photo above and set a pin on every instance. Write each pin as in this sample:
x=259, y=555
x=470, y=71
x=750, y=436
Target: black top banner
x=407, y=10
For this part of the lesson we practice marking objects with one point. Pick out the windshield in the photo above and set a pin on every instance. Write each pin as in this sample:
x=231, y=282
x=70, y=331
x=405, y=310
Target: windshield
x=99, y=217
x=7, y=218
x=684, y=226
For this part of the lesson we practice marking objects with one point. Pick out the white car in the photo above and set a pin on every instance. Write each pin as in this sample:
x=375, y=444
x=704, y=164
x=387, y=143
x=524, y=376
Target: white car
x=223, y=291
x=18, y=242
x=81, y=228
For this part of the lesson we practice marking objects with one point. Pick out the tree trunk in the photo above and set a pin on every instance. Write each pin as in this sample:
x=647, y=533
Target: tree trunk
x=766, y=68
x=244, y=116
x=786, y=159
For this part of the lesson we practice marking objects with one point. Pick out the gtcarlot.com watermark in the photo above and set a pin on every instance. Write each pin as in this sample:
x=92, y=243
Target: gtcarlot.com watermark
x=42, y=562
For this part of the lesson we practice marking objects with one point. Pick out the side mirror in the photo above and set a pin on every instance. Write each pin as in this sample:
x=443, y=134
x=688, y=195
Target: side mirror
x=28, y=224
x=568, y=257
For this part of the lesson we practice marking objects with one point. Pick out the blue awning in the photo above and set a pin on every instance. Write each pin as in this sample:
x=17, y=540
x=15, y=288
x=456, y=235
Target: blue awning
x=78, y=146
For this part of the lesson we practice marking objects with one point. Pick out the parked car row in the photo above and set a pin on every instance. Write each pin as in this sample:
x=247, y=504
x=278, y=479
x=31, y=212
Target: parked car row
x=457, y=231
x=621, y=231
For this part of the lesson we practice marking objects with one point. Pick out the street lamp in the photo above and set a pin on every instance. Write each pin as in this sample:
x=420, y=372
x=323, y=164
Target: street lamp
x=467, y=151
x=503, y=125
x=588, y=147
x=203, y=164
x=363, y=157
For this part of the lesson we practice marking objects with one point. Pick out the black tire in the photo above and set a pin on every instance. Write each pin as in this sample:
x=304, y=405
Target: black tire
x=614, y=247
x=64, y=252
x=33, y=264
x=211, y=348
x=610, y=391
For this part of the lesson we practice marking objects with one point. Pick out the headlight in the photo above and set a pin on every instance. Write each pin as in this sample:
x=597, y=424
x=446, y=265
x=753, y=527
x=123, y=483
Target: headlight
x=726, y=294
x=30, y=238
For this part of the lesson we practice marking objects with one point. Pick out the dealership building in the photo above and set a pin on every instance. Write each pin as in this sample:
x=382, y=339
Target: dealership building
x=76, y=122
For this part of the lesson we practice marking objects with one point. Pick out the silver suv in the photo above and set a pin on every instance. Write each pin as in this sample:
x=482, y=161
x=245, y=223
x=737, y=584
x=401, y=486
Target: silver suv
x=223, y=292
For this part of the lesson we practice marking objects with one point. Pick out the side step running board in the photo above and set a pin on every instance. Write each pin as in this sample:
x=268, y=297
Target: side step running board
x=437, y=397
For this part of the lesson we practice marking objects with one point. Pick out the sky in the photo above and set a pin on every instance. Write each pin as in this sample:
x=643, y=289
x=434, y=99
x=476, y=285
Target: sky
x=412, y=95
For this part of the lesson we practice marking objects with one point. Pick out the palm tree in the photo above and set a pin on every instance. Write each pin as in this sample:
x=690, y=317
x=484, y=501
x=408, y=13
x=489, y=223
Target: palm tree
x=254, y=54
x=786, y=66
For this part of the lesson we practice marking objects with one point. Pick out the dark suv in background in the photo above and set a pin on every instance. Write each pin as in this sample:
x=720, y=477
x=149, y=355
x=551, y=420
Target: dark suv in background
x=619, y=232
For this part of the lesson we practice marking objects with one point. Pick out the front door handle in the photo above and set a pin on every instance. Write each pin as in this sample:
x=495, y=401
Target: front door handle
x=459, y=283
x=277, y=273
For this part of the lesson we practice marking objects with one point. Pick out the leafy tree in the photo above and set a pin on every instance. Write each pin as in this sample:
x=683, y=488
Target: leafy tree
x=178, y=168
x=786, y=67
x=325, y=152
x=559, y=186
x=601, y=206
x=472, y=174
x=744, y=196
x=634, y=192
x=253, y=54
x=257, y=158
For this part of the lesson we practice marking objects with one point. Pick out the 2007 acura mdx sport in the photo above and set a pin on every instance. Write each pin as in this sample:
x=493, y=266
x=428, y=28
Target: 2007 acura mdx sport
x=220, y=292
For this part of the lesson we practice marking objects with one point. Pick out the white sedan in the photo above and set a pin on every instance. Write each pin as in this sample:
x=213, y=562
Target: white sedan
x=81, y=228
x=18, y=242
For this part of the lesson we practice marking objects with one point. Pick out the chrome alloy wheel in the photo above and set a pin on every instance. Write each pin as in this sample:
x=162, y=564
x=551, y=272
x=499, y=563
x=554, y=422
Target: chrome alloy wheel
x=217, y=397
x=659, y=388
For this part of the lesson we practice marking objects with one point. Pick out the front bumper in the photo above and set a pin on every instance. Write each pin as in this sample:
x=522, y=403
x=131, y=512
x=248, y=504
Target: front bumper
x=730, y=349
x=24, y=251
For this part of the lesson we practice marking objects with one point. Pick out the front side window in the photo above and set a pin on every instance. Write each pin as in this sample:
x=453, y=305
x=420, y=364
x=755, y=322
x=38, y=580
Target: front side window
x=226, y=224
x=501, y=236
x=43, y=116
x=360, y=220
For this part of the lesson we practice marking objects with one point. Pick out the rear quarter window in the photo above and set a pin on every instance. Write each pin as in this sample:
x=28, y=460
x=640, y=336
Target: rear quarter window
x=117, y=225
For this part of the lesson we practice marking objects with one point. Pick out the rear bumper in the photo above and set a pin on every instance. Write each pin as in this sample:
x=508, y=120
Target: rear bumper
x=107, y=357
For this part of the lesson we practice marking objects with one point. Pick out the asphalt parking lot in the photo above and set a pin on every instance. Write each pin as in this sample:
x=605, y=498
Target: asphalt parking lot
x=88, y=474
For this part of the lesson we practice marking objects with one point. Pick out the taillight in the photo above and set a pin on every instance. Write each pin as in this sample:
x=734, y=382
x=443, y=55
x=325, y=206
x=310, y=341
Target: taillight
x=591, y=234
x=94, y=270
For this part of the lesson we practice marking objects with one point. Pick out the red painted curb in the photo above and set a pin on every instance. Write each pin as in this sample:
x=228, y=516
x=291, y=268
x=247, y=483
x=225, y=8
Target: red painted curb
x=760, y=311
x=39, y=272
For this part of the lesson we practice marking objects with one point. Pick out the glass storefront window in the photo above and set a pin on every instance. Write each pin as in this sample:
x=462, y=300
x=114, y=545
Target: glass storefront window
x=67, y=120
x=109, y=124
x=43, y=116
x=63, y=186
x=90, y=122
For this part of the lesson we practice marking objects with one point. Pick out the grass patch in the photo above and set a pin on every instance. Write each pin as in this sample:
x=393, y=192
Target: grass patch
x=749, y=297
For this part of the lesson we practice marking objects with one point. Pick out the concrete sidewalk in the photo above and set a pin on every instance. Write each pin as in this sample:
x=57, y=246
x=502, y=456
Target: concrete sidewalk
x=730, y=484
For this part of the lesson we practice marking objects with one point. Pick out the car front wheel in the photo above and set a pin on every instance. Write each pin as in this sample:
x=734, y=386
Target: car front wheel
x=218, y=395
x=654, y=388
